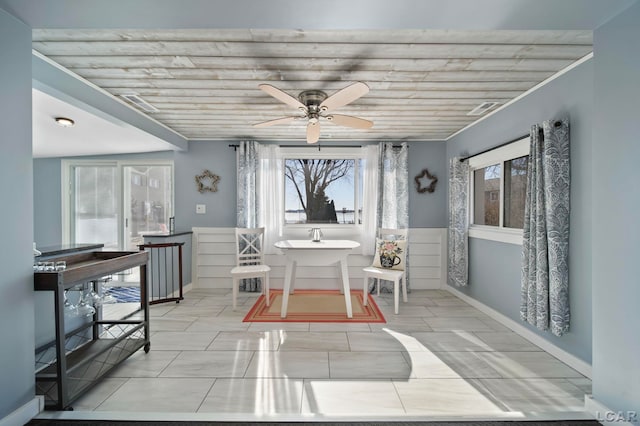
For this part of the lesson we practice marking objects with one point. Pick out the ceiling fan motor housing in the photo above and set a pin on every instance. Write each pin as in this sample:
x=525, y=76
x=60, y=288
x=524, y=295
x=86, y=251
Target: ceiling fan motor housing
x=312, y=99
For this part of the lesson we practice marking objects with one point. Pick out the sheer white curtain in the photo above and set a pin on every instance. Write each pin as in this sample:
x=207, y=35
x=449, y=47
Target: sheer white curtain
x=370, y=202
x=248, y=204
x=393, y=187
x=271, y=194
x=393, y=196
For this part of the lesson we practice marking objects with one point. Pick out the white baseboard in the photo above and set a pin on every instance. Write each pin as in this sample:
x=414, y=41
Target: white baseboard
x=608, y=417
x=571, y=360
x=24, y=413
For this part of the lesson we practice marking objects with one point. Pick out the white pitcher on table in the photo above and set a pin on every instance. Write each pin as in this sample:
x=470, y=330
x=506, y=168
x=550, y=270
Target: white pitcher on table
x=316, y=234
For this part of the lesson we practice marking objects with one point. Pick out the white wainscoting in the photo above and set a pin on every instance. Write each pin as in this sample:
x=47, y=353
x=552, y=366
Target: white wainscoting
x=214, y=256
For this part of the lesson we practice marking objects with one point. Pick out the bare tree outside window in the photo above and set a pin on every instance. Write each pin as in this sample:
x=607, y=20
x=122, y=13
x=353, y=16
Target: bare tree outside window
x=487, y=195
x=515, y=187
x=313, y=186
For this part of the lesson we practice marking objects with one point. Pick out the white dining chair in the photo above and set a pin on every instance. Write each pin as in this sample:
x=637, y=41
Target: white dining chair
x=393, y=273
x=250, y=260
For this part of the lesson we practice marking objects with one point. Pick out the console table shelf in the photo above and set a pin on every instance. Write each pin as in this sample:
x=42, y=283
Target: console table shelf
x=87, y=353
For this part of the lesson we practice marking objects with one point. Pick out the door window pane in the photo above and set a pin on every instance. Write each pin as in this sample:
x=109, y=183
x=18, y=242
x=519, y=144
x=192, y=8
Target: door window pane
x=150, y=196
x=515, y=186
x=95, y=206
x=486, y=209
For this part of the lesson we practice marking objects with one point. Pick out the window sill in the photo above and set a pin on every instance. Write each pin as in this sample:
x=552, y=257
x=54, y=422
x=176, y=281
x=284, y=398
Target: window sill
x=503, y=235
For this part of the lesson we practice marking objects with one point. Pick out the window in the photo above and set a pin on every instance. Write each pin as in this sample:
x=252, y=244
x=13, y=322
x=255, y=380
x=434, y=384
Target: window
x=486, y=195
x=498, y=186
x=515, y=187
x=325, y=189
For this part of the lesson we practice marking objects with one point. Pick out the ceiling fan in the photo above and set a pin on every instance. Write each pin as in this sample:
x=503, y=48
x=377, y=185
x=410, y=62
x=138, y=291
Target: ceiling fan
x=315, y=104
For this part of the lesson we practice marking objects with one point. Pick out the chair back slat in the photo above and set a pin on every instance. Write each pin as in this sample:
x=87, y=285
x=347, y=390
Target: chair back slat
x=249, y=250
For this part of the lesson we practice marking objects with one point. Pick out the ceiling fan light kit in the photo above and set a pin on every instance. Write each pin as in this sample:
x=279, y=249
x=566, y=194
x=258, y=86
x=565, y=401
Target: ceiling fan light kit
x=314, y=104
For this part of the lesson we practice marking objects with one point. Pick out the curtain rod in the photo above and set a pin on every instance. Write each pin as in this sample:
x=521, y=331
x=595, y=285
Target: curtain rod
x=235, y=146
x=557, y=123
x=495, y=147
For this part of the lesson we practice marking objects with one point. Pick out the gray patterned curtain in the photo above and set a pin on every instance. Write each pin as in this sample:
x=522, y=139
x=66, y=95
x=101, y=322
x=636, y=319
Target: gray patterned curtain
x=458, y=242
x=247, y=166
x=545, y=245
x=393, y=196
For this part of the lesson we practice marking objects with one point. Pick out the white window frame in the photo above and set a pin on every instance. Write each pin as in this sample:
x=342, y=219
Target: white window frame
x=500, y=155
x=123, y=189
x=334, y=230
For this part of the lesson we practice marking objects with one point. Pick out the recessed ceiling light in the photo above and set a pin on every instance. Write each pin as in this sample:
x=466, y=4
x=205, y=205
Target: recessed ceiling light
x=65, y=122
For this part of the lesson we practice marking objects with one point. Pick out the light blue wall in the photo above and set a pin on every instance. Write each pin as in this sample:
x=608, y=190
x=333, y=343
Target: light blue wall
x=16, y=217
x=428, y=210
x=494, y=268
x=47, y=193
x=218, y=158
x=616, y=213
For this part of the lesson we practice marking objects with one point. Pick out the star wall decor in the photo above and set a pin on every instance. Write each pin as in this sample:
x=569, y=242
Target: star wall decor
x=207, y=181
x=425, y=176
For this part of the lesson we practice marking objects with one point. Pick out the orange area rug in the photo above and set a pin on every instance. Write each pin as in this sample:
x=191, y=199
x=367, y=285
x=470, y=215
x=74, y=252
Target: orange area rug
x=315, y=306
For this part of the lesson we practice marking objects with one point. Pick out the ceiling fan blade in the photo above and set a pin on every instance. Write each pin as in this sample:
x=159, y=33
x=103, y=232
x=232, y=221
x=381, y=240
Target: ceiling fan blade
x=313, y=132
x=349, y=121
x=282, y=96
x=344, y=96
x=276, y=121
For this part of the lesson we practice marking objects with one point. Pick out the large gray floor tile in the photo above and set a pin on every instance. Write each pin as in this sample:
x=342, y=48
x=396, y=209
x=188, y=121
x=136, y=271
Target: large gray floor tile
x=209, y=364
x=351, y=397
x=174, y=340
x=98, y=394
x=456, y=311
x=448, y=341
x=215, y=324
x=406, y=310
x=469, y=364
x=401, y=324
x=368, y=365
x=246, y=341
x=195, y=311
x=158, y=395
x=535, y=395
x=170, y=323
x=457, y=324
x=142, y=364
x=445, y=397
x=527, y=365
x=308, y=341
x=583, y=383
x=506, y=341
x=304, y=364
x=382, y=341
x=428, y=365
x=263, y=396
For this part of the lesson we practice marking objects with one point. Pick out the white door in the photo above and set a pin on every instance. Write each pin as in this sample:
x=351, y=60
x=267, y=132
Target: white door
x=148, y=202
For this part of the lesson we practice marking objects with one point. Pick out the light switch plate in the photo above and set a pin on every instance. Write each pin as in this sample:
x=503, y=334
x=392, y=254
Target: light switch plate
x=201, y=208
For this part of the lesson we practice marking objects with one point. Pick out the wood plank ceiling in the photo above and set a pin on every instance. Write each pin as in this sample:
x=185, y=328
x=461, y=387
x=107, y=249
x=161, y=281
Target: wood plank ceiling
x=423, y=83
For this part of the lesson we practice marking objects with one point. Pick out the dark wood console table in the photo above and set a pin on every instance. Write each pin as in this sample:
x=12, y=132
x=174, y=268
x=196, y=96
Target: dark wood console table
x=78, y=358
